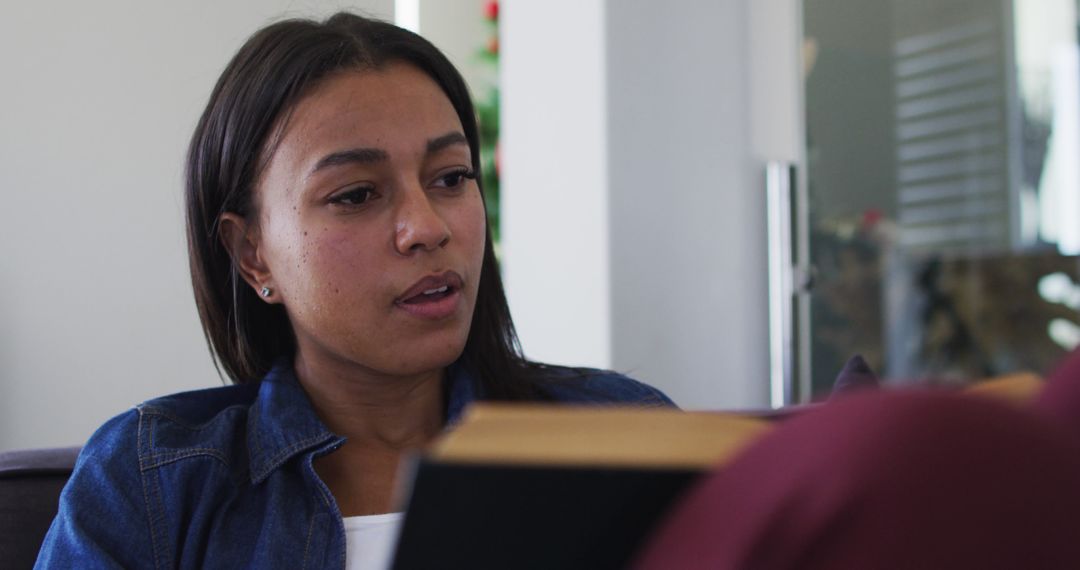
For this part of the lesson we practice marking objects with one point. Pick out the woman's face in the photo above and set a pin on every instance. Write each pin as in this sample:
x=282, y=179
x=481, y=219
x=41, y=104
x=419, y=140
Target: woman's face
x=370, y=224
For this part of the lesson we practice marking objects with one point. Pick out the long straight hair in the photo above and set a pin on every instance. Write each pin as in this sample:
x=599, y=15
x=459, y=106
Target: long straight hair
x=273, y=70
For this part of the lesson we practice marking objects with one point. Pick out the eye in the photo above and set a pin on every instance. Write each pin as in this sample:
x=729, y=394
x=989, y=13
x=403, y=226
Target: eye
x=352, y=196
x=455, y=178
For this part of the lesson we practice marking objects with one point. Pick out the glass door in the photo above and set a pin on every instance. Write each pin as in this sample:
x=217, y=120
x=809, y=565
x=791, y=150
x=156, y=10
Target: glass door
x=943, y=187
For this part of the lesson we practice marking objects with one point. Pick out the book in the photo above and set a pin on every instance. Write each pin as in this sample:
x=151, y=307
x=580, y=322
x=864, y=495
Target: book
x=533, y=486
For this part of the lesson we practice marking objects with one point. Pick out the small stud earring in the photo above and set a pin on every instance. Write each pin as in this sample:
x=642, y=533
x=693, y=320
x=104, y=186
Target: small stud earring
x=265, y=292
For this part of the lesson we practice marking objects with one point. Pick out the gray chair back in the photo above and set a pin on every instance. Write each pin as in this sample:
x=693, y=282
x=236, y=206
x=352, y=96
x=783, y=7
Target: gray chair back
x=30, y=484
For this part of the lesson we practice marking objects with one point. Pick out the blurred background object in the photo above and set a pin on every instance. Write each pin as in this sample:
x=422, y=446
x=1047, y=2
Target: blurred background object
x=943, y=141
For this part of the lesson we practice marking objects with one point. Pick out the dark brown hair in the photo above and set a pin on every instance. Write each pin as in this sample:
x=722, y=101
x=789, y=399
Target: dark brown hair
x=275, y=68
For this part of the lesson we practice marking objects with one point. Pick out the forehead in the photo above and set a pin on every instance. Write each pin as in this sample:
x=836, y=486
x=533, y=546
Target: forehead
x=396, y=108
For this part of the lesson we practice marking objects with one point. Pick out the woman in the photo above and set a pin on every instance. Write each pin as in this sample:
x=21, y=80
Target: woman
x=346, y=283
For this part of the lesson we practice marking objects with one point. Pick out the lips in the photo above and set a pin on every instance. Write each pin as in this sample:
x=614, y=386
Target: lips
x=434, y=296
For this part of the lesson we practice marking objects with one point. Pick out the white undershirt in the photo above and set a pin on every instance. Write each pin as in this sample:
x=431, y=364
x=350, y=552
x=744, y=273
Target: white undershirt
x=370, y=540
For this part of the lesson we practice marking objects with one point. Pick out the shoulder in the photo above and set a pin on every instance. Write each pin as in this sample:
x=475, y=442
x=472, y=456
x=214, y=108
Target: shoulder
x=158, y=432
x=201, y=422
x=110, y=480
x=106, y=485
x=199, y=407
x=590, y=385
x=170, y=427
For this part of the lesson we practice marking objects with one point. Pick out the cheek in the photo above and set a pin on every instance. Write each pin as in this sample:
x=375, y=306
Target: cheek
x=325, y=272
x=339, y=264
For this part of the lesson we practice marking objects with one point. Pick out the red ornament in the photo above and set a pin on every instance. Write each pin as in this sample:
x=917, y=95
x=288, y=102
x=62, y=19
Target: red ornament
x=491, y=10
x=493, y=46
x=871, y=217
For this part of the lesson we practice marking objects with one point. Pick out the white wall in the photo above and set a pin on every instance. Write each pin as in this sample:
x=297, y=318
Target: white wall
x=555, y=199
x=687, y=231
x=97, y=102
x=635, y=140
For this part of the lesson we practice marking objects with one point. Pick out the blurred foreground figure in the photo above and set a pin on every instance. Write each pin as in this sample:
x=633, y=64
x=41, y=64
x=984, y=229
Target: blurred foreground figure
x=892, y=480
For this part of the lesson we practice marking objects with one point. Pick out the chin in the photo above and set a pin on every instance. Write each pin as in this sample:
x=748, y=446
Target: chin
x=430, y=355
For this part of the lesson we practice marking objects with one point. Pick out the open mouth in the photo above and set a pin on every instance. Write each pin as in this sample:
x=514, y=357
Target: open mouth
x=436, y=296
x=430, y=295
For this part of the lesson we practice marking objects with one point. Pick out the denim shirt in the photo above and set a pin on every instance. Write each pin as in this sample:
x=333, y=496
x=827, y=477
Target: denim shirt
x=223, y=477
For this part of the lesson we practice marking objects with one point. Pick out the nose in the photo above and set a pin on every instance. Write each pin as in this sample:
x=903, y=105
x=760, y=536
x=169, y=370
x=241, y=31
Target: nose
x=419, y=226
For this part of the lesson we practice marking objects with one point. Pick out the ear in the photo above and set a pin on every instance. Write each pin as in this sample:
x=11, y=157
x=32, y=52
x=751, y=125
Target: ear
x=242, y=240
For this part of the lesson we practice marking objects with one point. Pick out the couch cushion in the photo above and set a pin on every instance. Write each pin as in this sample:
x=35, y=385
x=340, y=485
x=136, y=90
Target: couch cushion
x=30, y=484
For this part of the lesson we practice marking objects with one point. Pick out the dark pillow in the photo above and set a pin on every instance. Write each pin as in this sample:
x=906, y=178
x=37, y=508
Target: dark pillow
x=30, y=484
x=856, y=375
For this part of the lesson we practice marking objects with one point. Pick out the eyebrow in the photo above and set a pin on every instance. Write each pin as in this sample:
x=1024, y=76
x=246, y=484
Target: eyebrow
x=449, y=139
x=373, y=155
x=351, y=156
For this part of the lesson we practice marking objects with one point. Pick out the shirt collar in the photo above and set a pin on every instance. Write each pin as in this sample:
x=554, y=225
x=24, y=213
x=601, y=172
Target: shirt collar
x=461, y=389
x=282, y=423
